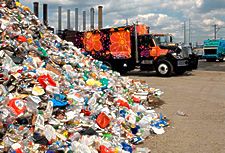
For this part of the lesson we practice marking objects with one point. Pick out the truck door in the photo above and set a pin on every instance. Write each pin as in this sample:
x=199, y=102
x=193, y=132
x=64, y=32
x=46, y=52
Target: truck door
x=152, y=47
x=147, y=47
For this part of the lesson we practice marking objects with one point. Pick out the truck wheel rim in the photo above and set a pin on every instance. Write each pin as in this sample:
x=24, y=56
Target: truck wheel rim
x=163, y=68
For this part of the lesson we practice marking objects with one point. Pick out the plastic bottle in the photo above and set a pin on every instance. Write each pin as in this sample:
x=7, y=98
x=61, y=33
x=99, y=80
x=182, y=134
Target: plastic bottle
x=49, y=132
x=146, y=133
x=39, y=124
x=75, y=137
x=79, y=148
x=180, y=113
x=8, y=63
x=142, y=150
x=144, y=122
x=7, y=142
x=32, y=103
x=49, y=109
x=24, y=131
x=88, y=140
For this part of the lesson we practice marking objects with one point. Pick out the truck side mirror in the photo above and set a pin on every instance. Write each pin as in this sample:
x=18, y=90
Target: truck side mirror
x=171, y=39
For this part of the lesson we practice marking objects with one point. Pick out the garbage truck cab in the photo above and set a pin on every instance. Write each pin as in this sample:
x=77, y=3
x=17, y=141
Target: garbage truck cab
x=213, y=49
x=163, y=55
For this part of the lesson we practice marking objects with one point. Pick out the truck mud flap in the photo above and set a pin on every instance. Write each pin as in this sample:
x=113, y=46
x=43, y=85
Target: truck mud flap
x=193, y=61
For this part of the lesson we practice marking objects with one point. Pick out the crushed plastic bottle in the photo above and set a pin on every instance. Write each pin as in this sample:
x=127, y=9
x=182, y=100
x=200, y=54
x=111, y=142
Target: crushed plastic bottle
x=142, y=150
x=180, y=113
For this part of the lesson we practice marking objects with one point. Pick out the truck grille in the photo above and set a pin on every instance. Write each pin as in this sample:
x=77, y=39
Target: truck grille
x=210, y=51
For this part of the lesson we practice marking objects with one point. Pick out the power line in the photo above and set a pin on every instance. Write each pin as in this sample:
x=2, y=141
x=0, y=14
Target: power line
x=216, y=29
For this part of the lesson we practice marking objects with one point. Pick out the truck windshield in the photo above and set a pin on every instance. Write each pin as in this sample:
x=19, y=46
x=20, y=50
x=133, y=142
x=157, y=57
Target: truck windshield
x=162, y=39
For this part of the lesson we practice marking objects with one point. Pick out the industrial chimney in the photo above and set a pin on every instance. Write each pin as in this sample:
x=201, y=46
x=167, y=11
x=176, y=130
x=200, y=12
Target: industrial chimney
x=59, y=18
x=68, y=19
x=36, y=8
x=76, y=19
x=84, y=20
x=99, y=17
x=45, y=14
x=92, y=11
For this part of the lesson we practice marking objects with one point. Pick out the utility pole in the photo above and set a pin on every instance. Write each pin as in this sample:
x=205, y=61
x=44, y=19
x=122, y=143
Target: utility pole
x=216, y=29
x=185, y=41
x=189, y=31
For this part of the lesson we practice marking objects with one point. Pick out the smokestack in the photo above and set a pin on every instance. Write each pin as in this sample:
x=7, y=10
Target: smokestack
x=68, y=19
x=36, y=8
x=76, y=19
x=45, y=14
x=99, y=17
x=60, y=18
x=92, y=12
x=84, y=20
x=126, y=21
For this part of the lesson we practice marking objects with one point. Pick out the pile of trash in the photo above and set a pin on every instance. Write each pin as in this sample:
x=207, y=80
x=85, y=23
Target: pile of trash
x=53, y=98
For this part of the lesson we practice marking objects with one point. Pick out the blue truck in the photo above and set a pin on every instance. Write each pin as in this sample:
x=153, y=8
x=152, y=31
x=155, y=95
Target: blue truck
x=214, y=49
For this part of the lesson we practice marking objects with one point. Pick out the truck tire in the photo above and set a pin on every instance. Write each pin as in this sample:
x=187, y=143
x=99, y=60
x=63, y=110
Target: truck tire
x=211, y=60
x=179, y=71
x=221, y=60
x=164, y=68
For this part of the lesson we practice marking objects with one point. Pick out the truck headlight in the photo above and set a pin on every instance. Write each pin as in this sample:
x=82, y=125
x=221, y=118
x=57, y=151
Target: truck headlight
x=174, y=54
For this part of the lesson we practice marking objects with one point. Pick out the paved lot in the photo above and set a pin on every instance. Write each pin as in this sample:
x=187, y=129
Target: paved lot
x=200, y=94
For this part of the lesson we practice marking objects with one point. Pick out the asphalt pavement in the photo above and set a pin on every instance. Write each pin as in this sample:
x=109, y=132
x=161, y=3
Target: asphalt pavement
x=200, y=94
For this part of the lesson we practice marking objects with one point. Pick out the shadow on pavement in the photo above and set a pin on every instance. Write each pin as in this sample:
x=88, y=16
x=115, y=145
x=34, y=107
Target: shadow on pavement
x=154, y=74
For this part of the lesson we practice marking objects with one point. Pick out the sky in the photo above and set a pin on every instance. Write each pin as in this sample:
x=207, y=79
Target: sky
x=162, y=16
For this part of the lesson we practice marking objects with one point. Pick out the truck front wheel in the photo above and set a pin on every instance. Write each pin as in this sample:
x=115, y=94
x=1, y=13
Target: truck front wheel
x=164, y=68
x=179, y=71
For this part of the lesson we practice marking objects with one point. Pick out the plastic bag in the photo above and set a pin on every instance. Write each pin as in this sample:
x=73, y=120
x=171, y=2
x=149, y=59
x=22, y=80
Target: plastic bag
x=58, y=103
x=49, y=132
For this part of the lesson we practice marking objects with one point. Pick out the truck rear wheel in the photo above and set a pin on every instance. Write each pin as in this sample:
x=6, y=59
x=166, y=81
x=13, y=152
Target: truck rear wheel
x=164, y=68
x=211, y=60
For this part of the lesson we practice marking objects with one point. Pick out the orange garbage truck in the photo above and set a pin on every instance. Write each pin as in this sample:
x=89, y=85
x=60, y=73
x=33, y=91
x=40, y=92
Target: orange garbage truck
x=129, y=47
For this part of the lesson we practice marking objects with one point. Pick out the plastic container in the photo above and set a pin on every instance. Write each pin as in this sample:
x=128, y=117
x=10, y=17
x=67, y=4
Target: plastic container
x=180, y=113
x=142, y=150
x=49, y=132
